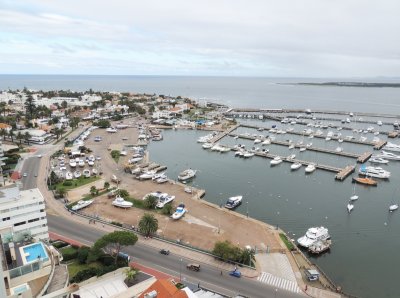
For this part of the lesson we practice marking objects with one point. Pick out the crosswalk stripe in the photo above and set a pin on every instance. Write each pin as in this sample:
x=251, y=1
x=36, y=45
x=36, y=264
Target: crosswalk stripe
x=278, y=282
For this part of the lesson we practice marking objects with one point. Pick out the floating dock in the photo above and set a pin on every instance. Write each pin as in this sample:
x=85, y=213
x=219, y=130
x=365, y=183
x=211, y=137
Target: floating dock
x=360, y=158
x=394, y=134
x=224, y=134
x=344, y=173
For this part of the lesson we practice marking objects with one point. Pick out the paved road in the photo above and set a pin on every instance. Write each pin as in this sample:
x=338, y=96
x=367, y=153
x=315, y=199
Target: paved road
x=208, y=276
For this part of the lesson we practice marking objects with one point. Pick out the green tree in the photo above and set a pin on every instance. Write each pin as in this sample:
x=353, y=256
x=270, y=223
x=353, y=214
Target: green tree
x=11, y=134
x=123, y=193
x=227, y=251
x=102, y=123
x=29, y=108
x=93, y=190
x=61, y=192
x=106, y=185
x=130, y=274
x=150, y=202
x=3, y=108
x=114, y=242
x=64, y=104
x=27, y=137
x=3, y=133
x=74, y=122
x=20, y=137
x=148, y=224
x=167, y=209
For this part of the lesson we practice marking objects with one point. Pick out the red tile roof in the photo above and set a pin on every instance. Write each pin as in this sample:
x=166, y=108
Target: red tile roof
x=165, y=289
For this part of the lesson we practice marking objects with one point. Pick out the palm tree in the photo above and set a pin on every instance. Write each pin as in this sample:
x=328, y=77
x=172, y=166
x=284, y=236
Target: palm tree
x=11, y=134
x=20, y=136
x=130, y=274
x=148, y=224
x=27, y=137
x=3, y=133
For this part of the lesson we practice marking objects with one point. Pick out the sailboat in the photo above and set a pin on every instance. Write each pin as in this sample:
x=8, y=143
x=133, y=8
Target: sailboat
x=350, y=207
x=354, y=197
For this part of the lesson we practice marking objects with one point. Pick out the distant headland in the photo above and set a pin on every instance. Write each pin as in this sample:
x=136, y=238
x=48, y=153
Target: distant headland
x=354, y=84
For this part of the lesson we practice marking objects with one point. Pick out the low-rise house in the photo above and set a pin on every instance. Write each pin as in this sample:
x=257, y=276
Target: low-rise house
x=6, y=127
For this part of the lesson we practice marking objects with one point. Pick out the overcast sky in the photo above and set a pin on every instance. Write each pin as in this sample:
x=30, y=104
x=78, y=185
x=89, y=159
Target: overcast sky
x=279, y=38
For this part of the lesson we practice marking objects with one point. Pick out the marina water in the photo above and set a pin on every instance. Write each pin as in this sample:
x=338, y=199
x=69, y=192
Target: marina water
x=363, y=257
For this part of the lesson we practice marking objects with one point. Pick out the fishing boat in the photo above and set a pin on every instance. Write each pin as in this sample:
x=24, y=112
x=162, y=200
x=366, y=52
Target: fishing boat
x=81, y=204
x=365, y=181
x=296, y=166
x=310, y=168
x=179, y=212
x=233, y=202
x=187, y=174
x=313, y=235
x=393, y=207
x=350, y=207
x=276, y=161
x=86, y=173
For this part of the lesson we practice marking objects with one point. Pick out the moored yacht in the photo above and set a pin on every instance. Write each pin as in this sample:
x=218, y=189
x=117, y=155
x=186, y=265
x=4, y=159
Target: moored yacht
x=376, y=172
x=375, y=159
x=276, y=161
x=207, y=145
x=392, y=147
x=233, y=202
x=187, y=174
x=389, y=155
x=393, y=207
x=310, y=168
x=313, y=235
x=295, y=166
x=350, y=207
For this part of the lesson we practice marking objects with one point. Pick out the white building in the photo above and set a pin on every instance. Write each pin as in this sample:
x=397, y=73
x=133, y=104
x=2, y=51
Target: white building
x=161, y=114
x=23, y=212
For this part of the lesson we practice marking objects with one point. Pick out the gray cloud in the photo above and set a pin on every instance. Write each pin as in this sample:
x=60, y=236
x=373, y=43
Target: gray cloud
x=267, y=38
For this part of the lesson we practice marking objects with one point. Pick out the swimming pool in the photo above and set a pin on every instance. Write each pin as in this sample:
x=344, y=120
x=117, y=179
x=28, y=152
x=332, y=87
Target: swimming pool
x=33, y=252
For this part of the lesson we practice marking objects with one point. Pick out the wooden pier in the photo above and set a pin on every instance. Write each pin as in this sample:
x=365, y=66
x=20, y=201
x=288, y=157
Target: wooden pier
x=360, y=158
x=394, y=134
x=345, y=172
x=223, y=134
x=379, y=145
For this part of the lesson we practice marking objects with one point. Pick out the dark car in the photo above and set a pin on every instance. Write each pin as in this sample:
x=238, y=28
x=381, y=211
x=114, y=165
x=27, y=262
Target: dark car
x=193, y=267
x=164, y=252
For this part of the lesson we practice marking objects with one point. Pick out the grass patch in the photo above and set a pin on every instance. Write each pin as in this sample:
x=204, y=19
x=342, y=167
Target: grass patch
x=75, y=267
x=76, y=183
x=68, y=250
x=287, y=242
x=116, y=154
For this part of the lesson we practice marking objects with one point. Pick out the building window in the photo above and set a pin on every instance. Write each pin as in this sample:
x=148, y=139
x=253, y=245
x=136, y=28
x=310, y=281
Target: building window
x=33, y=220
x=19, y=223
x=6, y=218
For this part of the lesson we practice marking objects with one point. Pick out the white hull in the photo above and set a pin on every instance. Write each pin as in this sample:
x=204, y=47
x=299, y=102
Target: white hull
x=393, y=207
x=350, y=207
x=81, y=204
x=295, y=166
x=121, y=203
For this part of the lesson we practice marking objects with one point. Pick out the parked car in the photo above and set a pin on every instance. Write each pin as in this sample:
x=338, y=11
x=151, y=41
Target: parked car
x=193, y=267
x=164, y=252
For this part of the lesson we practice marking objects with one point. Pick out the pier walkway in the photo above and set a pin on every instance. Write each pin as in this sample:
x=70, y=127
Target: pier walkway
x=361, y=158
x=223, y=134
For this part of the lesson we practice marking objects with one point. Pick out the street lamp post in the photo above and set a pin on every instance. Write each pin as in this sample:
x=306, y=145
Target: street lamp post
x=276, y=291
x=247, y=207
x=180, y=271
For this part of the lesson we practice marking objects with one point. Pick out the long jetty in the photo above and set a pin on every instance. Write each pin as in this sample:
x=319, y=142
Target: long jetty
x=341, y=173
x=361, y=158
x=224, y=133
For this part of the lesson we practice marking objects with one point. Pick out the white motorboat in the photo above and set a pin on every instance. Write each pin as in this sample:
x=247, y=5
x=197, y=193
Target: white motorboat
x=340, y=140
x=257, y=141
x=239, y=153
x=291, y=146
x=135, y=160
x=179, y=212
x=308, y=145
x=350, y=207
x=123, y=153
x=91, y=163
x=187, y=174
x=236, y=137
x=207, y=145
x=339, y=149
x=380, y=160
x=77, y=174
x=393, y=207
x=302, y=149
x=69, y=176
x=363, y=139
x=233, y=202
x=296, y=166
x=147, y=175
x=162, y=180
x=292, y=156
x=162, y=201
x=94, y=172
x=86, y=173
x=216, y=147
x=111, y=130
x=121, y=203
x=310, y=168
x=205, y=139
x=81, y=163
x=188, y=190
x=389, y=155
x=266, y=142
x=313, y=235
x=159, y=175
x=247, y=154
x=72, y=163
x=224, y=148
x=392, y=147
x=376, y=172
x=276, y=161
x=81, y=204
